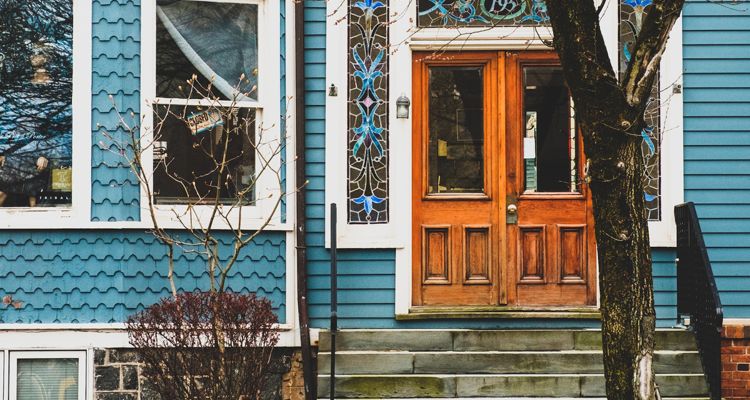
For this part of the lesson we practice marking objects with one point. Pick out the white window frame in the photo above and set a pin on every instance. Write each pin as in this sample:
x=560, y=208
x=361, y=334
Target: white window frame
x=406, y=37
x=78, y=213
x=14, y=356
x=268, y=123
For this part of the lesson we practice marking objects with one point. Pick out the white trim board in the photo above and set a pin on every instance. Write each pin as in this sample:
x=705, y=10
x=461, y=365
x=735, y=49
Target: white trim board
x=34, y=338
x=405, y=37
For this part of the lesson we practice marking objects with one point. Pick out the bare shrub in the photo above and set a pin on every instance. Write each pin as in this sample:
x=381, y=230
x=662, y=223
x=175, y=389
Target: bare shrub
x=206, y=345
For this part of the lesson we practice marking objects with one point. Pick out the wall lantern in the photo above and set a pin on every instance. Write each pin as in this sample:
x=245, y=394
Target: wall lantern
x=402, y=107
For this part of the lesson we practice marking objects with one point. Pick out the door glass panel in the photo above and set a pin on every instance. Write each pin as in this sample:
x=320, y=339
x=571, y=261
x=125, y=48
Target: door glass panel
x=549, y=143
x=456, y=124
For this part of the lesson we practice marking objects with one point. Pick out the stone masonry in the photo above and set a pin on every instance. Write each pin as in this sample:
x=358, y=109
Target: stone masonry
x=735, y=359
x=117, y=376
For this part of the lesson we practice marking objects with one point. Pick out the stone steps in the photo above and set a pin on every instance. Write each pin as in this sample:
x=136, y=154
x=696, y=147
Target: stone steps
x=538, y=362
x=414, y=364
x=495, y=385
x=476, y=340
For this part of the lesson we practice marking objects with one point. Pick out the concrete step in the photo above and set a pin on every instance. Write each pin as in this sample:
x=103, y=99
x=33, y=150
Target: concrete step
x=534, y=398
x=495, y=386
x=521, y=362
x=488, y=340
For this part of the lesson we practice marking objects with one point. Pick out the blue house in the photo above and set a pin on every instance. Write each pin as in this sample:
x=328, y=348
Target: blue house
x=442, y=130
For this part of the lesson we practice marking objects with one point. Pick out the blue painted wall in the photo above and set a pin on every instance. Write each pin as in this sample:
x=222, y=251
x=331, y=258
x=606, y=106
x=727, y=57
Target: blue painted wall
x=102, y=276
x=717, y=177
x=717, y=139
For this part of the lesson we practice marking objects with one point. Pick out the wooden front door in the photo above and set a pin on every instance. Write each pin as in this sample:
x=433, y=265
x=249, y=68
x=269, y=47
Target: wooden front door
x=499, y=213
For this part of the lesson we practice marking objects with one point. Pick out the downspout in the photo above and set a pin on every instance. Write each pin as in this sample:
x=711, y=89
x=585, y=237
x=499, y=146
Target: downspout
x=301, y=182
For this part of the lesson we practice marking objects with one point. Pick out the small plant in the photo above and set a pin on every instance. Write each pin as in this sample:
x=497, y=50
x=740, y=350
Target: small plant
x=206, y=345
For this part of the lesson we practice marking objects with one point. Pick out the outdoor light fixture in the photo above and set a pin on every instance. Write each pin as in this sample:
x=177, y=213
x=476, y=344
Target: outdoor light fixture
x=402, y=107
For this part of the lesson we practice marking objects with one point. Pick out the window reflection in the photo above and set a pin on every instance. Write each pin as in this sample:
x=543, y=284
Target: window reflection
x=456, y=130
x=550, y=138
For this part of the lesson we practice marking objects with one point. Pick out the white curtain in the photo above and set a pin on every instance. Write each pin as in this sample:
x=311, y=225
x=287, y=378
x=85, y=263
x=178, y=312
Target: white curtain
x=219, y=39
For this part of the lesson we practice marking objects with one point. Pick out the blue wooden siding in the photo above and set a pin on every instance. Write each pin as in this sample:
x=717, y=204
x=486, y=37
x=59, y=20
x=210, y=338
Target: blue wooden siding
x=116, y=65
x=717, y=139
x=367, y=278
x=104, y=276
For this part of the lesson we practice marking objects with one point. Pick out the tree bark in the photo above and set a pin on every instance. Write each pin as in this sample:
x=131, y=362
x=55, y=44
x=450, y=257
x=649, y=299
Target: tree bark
x=611, y=116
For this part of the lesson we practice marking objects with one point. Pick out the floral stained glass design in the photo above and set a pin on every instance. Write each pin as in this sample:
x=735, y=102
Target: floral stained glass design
x=367, y=150
x=456, y=13
x=632, y=14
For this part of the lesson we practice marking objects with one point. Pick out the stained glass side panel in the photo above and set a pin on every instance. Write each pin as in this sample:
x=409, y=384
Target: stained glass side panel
x=456, y=13
x=367, y=151
x=632, y=14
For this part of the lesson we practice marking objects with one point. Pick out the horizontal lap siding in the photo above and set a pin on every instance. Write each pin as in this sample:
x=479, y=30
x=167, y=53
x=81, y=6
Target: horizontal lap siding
x=367, y=277
x=717, y=139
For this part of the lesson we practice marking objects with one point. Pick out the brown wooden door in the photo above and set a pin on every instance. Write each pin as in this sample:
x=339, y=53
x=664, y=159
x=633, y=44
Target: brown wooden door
x=499, y=215
x=552, y=248
x=457, y=180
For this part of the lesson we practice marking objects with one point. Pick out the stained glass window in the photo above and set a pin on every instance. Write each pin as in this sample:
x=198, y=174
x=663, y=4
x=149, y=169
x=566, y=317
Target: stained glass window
x=632, y=14
x=455, y=13
x=36, y=110
x=367, y=150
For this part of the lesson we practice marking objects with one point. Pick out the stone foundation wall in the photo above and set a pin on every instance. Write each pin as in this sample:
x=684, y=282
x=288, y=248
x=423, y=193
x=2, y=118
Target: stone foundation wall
x=735, y=359
x=117, y=375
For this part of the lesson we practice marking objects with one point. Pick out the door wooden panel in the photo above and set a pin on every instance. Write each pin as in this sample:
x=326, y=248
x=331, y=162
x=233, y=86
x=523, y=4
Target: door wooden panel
x=531, y=248
x=477, y=260
x=572, y=253
x=436, y=254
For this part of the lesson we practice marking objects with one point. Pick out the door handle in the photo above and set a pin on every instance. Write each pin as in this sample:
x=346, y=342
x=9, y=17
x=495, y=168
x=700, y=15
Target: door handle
x=511, y=217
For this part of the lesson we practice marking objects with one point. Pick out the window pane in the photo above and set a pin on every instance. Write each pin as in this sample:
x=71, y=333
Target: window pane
x=456, y=124
x=47, y=379
x=36, y=69
x=549, y=145
x=217, y=42
x=192, y=144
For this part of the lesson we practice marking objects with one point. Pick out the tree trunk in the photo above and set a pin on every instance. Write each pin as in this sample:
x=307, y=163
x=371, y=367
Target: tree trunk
x=626, y=284
x=611, y=127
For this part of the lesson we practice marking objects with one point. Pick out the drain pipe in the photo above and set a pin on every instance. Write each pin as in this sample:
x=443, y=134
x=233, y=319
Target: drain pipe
x=301, y=182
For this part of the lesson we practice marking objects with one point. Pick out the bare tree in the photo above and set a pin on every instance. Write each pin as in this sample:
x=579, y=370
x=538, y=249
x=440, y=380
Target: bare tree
x=200, y=165
x=610, y=114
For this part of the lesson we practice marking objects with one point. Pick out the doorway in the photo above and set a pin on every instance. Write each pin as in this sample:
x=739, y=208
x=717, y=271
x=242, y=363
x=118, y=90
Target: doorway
x=500, y=215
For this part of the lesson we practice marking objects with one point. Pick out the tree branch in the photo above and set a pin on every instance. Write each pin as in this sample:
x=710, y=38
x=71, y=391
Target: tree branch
x=652, y=41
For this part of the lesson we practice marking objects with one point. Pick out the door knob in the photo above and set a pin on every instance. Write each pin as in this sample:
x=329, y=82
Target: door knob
x=512, y=209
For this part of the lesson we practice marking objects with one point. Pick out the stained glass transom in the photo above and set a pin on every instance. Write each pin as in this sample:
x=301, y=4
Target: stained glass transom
x=455, y=13
x=632, y=14
x=367, y=150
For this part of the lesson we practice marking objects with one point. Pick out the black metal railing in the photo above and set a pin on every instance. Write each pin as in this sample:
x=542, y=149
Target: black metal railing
x=697, y=295
x=334, y=300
